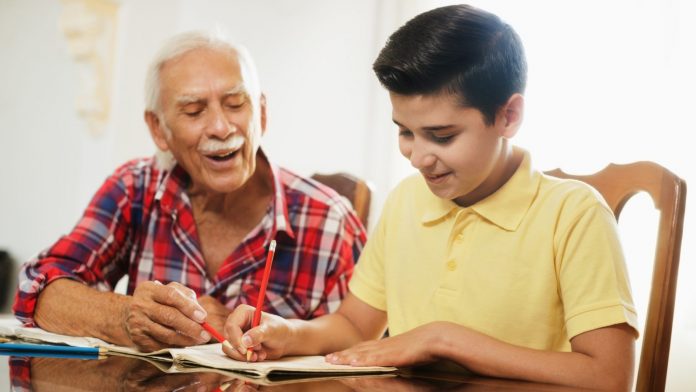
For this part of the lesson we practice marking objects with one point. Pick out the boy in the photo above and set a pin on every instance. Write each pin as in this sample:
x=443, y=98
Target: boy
x=480, y=260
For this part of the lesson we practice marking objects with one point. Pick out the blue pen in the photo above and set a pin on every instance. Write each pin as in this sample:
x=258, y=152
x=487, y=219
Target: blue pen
x=49, y=350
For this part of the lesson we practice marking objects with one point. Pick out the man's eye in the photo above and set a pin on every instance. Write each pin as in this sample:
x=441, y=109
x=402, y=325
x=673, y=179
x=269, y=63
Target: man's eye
x=193, y=113
x=235, y=106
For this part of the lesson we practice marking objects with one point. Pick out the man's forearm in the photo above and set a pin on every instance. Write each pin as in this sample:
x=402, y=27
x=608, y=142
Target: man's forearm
x=71, y=308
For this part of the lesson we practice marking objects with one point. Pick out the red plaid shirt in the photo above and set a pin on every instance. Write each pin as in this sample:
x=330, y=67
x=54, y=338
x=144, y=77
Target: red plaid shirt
x=140, y=223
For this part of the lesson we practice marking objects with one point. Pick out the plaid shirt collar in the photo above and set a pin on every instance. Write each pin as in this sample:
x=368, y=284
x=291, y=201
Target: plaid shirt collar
x=172, y=198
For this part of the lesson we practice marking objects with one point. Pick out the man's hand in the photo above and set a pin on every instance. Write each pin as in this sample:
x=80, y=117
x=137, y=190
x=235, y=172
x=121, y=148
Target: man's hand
x=161, y=316
x=268, y=340
x=217, y=312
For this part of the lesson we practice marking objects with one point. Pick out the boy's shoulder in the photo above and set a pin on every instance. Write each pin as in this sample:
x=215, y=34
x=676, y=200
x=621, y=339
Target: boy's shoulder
x=568, y=193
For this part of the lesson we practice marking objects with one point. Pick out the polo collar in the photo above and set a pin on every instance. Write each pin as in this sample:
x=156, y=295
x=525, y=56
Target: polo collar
x=505, y=208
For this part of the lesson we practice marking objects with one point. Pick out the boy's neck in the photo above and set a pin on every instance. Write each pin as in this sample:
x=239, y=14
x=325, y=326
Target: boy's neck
x=504, y=169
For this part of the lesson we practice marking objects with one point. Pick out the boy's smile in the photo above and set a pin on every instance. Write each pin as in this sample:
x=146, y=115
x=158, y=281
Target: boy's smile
x=460, y=157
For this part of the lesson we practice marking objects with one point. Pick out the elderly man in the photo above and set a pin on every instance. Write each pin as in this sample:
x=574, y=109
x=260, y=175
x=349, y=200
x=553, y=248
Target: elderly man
x=190, y=228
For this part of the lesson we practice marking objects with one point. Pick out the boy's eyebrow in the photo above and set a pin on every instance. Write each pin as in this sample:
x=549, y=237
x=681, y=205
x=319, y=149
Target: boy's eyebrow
x=432, y=128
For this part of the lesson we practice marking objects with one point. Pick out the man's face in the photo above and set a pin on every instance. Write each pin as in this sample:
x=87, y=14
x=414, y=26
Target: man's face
x=450, y=145
x=207, y=119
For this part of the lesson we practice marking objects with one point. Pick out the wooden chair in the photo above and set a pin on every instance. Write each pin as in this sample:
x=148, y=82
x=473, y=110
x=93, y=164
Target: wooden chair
x=618, y=183
x=357, y=191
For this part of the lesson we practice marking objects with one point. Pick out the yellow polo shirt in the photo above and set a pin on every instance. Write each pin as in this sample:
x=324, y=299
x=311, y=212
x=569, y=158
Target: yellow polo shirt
x=534, y=264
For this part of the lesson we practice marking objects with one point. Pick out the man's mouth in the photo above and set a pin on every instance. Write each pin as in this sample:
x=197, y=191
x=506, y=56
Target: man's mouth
x=222, y=155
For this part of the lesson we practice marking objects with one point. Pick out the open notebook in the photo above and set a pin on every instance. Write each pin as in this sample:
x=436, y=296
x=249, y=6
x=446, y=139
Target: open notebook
x=209, y=356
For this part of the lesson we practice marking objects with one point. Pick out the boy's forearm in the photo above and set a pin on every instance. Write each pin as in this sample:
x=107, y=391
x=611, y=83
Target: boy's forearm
x=610, y=368
x=323, y=335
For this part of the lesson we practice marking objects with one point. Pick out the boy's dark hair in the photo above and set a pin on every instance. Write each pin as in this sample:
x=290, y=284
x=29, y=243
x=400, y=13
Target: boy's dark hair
x=457, y=49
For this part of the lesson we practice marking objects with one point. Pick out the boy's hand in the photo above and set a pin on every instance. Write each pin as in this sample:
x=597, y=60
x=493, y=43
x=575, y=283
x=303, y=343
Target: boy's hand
x=411, y=348
x=268, y=340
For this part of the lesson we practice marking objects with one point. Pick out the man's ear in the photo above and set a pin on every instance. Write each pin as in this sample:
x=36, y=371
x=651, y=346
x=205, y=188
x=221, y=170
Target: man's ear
x=262, y=108
x=511, y=115
x=156, y=130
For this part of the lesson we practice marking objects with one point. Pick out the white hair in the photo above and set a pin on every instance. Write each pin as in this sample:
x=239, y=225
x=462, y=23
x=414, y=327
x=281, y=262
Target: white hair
x=181, y=44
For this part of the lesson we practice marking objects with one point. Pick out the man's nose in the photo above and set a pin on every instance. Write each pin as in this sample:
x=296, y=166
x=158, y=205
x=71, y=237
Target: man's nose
x=219, y=126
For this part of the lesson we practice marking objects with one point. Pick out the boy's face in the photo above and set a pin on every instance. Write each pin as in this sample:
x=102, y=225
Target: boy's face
x=459, y=156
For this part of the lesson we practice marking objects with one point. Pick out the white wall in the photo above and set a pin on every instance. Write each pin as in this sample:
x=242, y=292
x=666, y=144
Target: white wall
x=609, y=81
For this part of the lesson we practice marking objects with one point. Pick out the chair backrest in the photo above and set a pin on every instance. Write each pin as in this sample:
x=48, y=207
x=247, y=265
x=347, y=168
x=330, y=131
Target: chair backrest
x=357, y=191
x=618, y=183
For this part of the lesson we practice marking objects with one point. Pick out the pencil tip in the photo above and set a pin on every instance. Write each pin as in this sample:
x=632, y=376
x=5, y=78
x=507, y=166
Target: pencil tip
x=273, y=245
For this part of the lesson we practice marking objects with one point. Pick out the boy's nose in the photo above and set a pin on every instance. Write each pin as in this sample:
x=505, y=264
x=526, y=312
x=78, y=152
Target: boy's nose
x=421, y=159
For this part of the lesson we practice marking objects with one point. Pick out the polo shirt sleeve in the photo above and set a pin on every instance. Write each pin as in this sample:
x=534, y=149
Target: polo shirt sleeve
x=367, y=283
x=90, y=253
x=593, y=279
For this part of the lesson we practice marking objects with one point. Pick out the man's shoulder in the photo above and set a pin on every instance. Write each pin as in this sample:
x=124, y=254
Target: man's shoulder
x=138, y=173
x=300, y=190
x=137, y=166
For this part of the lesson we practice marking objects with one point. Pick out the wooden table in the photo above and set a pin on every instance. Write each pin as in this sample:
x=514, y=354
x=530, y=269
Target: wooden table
x=118, y=373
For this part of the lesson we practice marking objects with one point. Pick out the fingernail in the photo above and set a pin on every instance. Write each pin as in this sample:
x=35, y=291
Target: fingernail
x=205, y=335
x=199, y=316
x=246, y=340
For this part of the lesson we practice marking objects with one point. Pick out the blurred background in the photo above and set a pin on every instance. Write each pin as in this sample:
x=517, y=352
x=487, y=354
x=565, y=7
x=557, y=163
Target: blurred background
x=608, y=82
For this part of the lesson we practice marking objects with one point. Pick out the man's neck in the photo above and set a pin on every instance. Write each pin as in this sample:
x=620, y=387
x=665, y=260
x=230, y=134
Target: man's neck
x=251, y=196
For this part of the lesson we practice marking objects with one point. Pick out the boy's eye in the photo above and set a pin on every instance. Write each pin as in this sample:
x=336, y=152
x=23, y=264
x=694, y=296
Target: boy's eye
x=405, y=133
x=441, y=139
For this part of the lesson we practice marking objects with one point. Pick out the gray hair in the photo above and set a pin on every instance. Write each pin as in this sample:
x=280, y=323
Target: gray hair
x=183, y=43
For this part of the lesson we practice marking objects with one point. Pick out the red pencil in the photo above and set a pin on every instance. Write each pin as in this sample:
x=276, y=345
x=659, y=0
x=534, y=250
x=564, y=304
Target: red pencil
x=217, y=335
x=262, y=291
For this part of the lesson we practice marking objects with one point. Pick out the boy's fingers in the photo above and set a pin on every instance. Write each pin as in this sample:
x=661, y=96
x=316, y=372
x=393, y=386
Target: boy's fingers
x=236, y=322
x=255, y=336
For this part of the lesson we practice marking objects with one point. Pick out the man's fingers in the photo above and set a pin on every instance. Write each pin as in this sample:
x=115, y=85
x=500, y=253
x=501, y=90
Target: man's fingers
x=185, y=291
x=175, y=327
x=181, y=298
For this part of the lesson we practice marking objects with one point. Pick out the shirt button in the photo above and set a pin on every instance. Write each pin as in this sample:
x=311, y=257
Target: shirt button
x=460, y=237
x=451, y=265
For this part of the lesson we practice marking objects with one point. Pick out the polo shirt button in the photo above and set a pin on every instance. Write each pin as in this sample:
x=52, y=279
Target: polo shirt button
x=451, y=265
x=460, y=237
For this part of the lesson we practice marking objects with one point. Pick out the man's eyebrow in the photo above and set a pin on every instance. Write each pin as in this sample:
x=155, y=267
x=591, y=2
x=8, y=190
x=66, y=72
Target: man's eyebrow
x=432, y=128
x=186, y=99
x=236, y=90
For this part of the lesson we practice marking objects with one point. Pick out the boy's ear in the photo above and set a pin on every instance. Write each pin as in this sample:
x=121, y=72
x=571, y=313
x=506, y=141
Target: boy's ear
x=156, y=130
x=512, y=114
